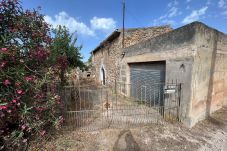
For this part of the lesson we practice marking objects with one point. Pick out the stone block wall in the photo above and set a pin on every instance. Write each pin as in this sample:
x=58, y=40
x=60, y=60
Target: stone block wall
x=107, y=57
x=201, y=49
x=134, y=36
x=110, y=55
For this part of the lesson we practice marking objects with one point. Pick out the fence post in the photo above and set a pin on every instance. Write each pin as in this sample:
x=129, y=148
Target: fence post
x=116, y=93
x=179, y=101
x=78, y=80
x=115, y=86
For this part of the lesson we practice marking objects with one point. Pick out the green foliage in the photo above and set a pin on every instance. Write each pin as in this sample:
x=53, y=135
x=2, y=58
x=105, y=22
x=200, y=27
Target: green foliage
x=64, y=44
x=89, y=63
x=27, y=107
x=65, y=53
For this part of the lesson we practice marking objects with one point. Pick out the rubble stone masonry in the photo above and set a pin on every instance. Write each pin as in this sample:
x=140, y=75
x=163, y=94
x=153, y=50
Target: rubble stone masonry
x=109, y=55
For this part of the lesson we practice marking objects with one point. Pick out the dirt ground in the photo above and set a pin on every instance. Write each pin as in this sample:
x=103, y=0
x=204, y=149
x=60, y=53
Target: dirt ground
x=208, y=135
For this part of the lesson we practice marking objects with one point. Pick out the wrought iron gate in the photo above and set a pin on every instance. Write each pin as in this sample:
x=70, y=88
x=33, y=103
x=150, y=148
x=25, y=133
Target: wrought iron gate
x=92, y=108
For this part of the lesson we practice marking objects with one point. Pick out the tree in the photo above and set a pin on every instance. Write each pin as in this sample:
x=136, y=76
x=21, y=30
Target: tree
x=65, y=51
x=26, y=107
x=89, y=64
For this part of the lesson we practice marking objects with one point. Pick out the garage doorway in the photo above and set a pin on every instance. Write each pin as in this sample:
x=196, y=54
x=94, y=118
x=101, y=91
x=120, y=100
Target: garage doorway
x=147, y=80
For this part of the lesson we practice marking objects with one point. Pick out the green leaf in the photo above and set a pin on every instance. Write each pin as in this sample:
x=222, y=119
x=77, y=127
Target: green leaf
x=1, y=104
x=21, y=134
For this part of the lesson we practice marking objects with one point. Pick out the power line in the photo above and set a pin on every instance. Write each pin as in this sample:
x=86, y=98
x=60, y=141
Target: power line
x=123, y=38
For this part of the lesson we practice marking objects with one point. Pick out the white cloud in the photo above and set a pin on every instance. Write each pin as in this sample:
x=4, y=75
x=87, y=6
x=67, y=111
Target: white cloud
x=162, y=17
x=221, y=3
x=71, y=23
x=173, y=3
x=105, y=24
x=188, y=1
x=173, y=12
x=195, y=15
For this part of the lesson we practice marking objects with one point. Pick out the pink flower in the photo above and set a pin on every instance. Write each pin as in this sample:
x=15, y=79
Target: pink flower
x=4, y=49
x=29, y=78
x=2, y=64
x=14, y=101
x=19, y=91
x=38, y=96
x=6, y=82
x=3, y=107
x=42, y=132
x=23, y=127
x=40, y=54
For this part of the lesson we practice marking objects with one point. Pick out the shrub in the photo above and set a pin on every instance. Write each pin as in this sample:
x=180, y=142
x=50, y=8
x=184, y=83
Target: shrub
x=29, y=105
x=65, y=51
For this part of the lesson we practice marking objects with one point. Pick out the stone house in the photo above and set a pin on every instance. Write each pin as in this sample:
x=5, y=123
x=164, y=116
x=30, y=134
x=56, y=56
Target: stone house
x=194, y=55
x=107, y=56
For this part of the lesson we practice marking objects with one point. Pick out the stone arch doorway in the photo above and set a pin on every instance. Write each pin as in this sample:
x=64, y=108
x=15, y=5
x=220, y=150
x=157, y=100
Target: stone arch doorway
x=103, y=76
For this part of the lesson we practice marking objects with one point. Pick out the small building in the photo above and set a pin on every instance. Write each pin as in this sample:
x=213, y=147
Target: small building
x=106, y=58
x=194, y=55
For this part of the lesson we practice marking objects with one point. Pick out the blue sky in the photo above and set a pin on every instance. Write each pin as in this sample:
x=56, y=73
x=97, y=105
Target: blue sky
x=93, y=20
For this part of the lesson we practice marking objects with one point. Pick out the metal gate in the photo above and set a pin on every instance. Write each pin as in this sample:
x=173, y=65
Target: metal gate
x=93, y=108
x=147, y=81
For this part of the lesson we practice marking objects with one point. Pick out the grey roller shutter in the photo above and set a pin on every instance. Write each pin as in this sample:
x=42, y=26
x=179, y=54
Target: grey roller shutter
x=147, y=82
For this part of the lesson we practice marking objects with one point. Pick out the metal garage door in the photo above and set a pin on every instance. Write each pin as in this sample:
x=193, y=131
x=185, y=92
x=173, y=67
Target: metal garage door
x=147, y=82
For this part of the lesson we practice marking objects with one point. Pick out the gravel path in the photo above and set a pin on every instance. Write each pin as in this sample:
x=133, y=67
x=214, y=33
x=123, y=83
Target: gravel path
x=208, y=135
x=218, y=141
x=219, y=138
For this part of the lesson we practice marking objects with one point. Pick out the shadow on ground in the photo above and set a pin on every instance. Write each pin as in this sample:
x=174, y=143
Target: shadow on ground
x=207, y=135
x=126, y=142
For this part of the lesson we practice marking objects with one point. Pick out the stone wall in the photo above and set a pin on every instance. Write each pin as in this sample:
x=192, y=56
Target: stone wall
x=110, y=55
x=176, y=48
x=107, y=57
x=134, y=36
x=202, y=51
x=208, y=74
x=222, y=65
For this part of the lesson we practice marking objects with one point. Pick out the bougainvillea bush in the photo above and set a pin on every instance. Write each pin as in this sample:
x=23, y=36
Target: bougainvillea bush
x=29, y=105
